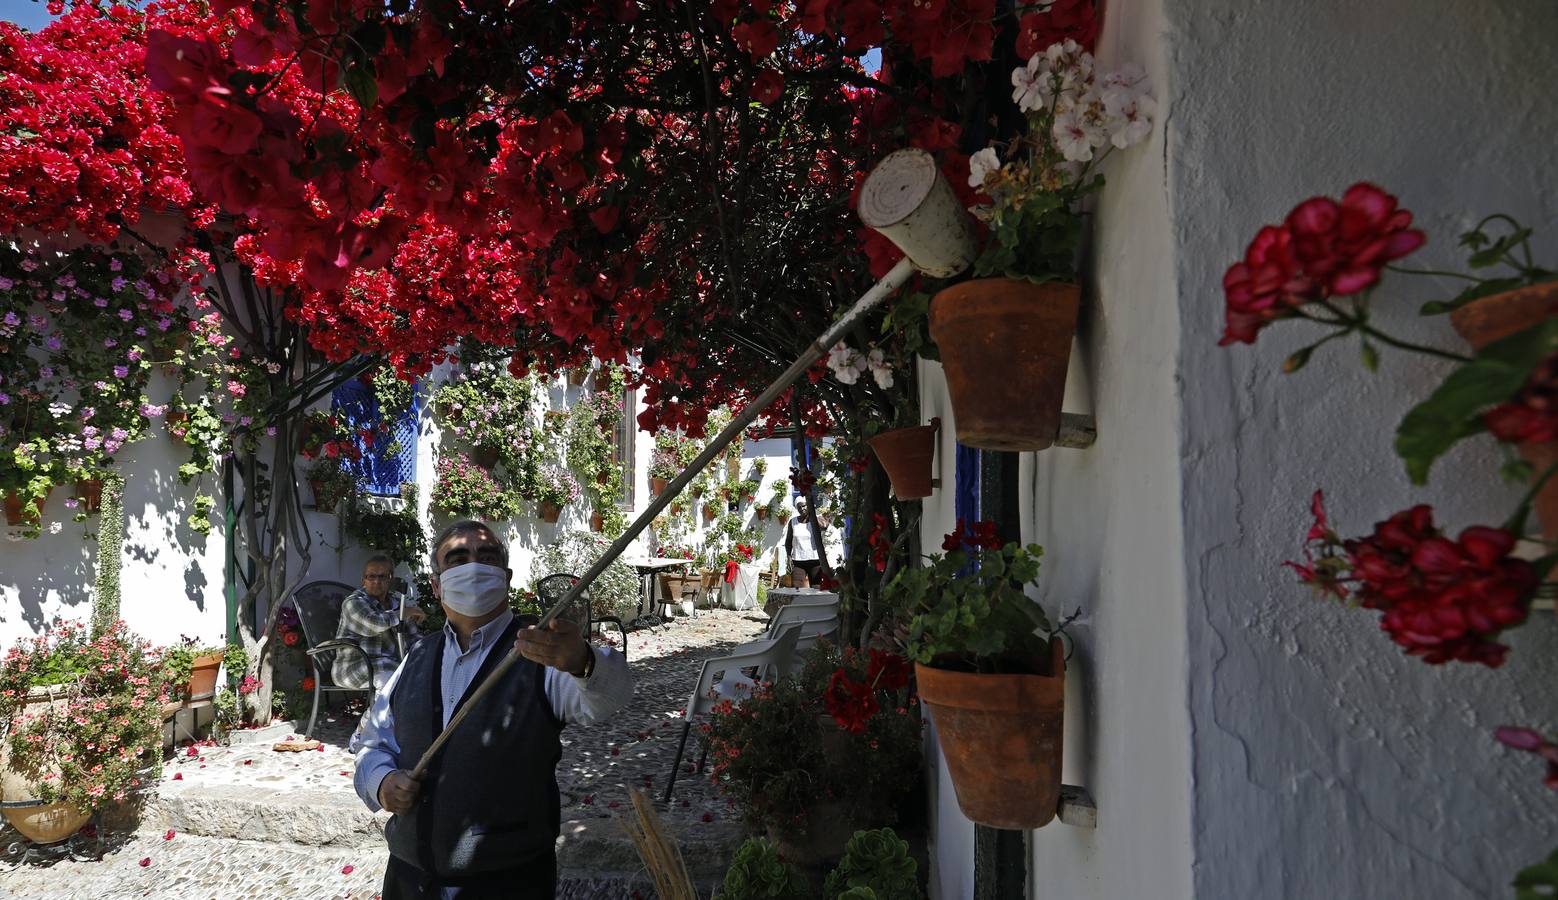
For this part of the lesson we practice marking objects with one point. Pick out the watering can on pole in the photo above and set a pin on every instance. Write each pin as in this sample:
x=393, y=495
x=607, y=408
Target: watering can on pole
x=906, y=199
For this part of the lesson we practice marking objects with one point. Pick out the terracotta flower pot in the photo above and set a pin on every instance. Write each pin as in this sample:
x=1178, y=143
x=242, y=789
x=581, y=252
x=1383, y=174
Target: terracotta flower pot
x=577, y=376
x=90, y=492
x=486, y=457
x=697, y=492
x=48, y=823
x=15, y=508
x=657, y=486
x=325, y=498
x=829, y=826
x=597, y=522
x=172, y=418
x=708, y=513
x=551, y=512
x=1001, y=738
x=202, y=675
x=762, y=513
x=907, y=454
x=1005, y=345
x=1482, y=322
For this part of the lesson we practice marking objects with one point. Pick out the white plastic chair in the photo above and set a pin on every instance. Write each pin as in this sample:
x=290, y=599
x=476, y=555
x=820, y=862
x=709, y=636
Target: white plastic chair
x=770, y=662
x=816, y=623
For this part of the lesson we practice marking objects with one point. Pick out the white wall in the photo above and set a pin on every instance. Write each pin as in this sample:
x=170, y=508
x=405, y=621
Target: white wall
x=1326, y=764
x=171, y=577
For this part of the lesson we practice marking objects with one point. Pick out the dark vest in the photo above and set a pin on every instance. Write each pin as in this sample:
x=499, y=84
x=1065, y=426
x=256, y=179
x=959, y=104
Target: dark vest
x=489, y=800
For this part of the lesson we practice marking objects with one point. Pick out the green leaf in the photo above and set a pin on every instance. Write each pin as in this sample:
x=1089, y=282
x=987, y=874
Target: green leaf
x=1539, y=881
x=1452, y=412
x=1370, y=356
x=1494, y=253
x=1475, y=292
x=361, y=84
x=1516, y=471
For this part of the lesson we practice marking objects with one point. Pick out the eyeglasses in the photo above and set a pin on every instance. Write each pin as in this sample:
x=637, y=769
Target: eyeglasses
x=376, y=578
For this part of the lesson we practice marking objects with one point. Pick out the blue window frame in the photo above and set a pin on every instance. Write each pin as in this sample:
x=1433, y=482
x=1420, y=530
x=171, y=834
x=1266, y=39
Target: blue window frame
x=380, y=471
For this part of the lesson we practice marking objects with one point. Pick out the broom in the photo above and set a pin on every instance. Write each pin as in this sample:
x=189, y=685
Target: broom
x=662, y=857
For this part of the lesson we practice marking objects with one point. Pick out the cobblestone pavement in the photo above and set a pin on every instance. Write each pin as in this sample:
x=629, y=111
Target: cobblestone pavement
x=246, y=821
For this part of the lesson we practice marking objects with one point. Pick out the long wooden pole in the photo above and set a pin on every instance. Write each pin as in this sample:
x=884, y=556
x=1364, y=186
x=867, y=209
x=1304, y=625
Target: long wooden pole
x=890, y=283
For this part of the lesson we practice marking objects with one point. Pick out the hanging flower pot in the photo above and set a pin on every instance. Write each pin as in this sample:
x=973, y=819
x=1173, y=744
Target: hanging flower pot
x=550, y=512
x=326, y=496
x=1001, y=738
x=697, y=492
x=762, y=513
x=657, y=486
x=1005, y=345
x=15, y=508
x=90, y=492
x=1489, y=319
x=708, y=513
x=603, y=476
x=484, y=456
x=906, y=454
x=577, y=376
x=597, y=522
x=173, y=419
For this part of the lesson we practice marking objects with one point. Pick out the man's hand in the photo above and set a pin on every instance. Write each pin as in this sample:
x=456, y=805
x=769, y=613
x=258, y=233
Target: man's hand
x=416, y=614
x=559, y=645
x=398, y=792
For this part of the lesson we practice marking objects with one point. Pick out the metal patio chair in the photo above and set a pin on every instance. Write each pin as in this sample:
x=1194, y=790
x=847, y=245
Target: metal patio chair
x=318, y=605
x=554, y=587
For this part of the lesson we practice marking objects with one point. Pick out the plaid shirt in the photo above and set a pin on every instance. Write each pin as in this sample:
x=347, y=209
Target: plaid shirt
x=372, y=625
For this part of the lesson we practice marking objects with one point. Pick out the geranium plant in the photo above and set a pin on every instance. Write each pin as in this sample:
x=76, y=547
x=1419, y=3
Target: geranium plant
x=1037, y=182
x=1442, y=599
x=462, y=488
x=968, y=608
x=780, y=752
x=557, y=486
x=93, y=749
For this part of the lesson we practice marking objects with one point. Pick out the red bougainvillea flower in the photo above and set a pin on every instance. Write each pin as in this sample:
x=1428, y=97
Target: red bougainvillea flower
x=878, y=541
x=1266, y=286
x=1059, y=21
x=1443, y=600
x=1532, y=742
x=307, y=684
x=767, y=86
x=1344, y=246
x=1532, y=416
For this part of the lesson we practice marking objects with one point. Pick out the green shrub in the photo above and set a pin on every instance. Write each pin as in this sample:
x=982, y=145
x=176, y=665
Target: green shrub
x=877, y=865
x=758, y=872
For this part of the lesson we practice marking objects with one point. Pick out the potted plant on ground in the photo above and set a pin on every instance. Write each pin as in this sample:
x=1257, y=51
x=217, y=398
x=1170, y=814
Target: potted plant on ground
x=190, y=668
x=83, y=720
x=809, y=781
x=1005, y=336
x=991, y=672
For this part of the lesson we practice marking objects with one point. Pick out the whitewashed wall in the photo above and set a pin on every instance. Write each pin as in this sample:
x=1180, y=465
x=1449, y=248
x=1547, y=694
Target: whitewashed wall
x=1241, y=738
x=171, y=577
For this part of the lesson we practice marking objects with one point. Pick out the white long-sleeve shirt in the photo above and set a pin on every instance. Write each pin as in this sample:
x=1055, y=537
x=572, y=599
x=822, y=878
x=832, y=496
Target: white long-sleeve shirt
x=574, y=700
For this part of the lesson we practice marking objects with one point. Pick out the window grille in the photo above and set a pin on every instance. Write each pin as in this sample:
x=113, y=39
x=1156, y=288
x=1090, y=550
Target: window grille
x=391, y=457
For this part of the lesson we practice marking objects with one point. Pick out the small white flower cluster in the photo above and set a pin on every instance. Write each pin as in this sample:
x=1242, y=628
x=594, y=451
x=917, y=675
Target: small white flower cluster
x=848, y=364
x=1089, y=113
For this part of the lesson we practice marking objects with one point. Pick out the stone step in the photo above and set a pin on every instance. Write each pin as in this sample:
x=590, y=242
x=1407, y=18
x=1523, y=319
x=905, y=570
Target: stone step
x=244, y=812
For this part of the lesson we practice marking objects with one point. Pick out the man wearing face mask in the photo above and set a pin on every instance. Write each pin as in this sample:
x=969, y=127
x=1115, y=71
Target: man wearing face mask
x=484, y=820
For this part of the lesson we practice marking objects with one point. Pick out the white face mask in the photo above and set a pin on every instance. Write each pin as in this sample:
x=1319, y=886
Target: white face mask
x=474, y=589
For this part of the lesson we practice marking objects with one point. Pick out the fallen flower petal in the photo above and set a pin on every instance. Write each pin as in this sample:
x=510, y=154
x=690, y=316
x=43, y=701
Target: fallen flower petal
x=145, y=861
x=169, y=835
x=347, y=870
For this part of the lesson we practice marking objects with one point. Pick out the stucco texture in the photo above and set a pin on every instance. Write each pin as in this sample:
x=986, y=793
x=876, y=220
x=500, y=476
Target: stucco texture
x=1325, y=763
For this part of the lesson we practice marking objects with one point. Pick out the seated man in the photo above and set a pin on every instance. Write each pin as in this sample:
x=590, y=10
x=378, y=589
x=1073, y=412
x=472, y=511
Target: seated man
x=482, y=823
x=371, y=616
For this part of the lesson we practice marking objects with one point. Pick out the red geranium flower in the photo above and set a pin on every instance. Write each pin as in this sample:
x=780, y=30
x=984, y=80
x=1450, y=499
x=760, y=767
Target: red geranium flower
x=1344, y=246
x=1267, y=285
x=1532, y=416
x=849, y=702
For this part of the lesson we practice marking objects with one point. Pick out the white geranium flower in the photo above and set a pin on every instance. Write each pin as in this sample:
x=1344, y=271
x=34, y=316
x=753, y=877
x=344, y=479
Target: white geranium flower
x=980, y=165
x=1071, y=63
x=880, y=370
x=1074, y=137
x=1028, y=84
x=1129, y=117
x=1130, y=78
x=846, y=362
x=59, y=410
